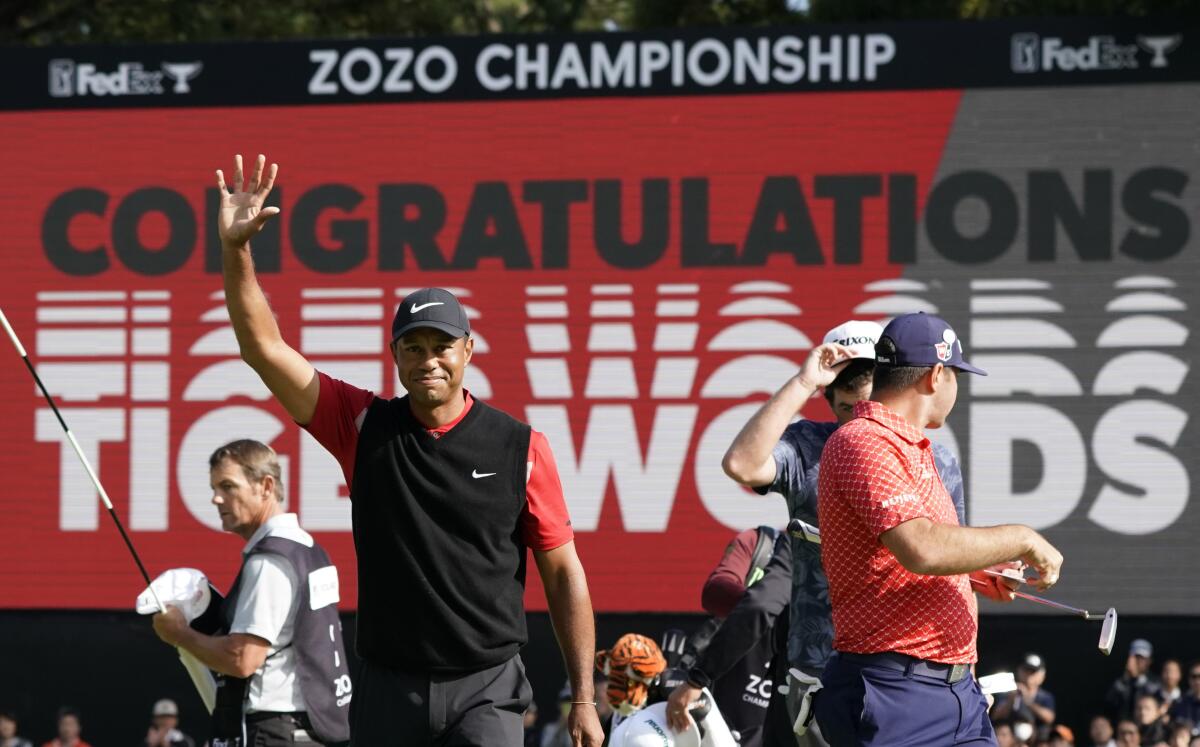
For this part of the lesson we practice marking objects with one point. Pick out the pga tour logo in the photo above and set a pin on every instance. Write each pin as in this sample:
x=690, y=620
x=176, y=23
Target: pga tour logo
x=1032, y=53
x=69, y=78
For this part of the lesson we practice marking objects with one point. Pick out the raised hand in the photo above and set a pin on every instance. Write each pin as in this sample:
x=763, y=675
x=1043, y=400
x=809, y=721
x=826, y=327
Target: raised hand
x=823, y=364
x=242, y=214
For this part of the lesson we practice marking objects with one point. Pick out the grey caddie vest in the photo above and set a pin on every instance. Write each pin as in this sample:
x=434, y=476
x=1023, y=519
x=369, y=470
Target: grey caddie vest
x=321, y=667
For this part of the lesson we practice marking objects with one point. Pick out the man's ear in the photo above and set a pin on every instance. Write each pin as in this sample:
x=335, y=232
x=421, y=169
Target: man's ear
x=934, y=380
x=270, y=489
x=468, y=348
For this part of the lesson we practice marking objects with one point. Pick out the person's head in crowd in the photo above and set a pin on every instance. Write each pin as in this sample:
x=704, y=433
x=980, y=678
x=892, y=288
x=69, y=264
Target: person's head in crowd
x=1193, y=683
x=1004, y=735
x=1147, y=708
x=1060, y=736
x=531, y=715
x=1128, y=734
x=164, y=714
x=1180, y=734
x=1023, y=728
x=1100, y=730
x=1141, y=656
x=69, y=726
x=8, y=725
x=853, y=382
x=1031, y=670
x=1171, y=675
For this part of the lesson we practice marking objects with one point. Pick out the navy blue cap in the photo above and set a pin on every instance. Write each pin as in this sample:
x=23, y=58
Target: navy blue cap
x=431, y=307
x=922, y=339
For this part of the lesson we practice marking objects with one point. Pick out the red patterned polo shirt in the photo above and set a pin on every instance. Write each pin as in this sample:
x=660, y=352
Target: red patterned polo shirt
x=877, y=472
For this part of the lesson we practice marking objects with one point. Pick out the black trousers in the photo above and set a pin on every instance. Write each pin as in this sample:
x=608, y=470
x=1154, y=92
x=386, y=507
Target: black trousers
x=480, y=709
x=279, y=730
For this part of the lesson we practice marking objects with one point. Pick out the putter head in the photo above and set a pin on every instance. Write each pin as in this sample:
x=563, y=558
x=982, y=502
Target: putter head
x=1108, y=631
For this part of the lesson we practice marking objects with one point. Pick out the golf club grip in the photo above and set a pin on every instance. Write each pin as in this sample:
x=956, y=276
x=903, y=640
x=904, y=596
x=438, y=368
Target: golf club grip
x=798, y=529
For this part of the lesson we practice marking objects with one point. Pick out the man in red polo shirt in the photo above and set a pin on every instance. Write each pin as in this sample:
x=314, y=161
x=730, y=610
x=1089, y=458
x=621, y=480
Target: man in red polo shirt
x=899, y=563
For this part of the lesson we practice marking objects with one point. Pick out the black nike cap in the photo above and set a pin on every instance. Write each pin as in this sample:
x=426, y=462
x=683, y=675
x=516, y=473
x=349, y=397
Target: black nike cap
x=431, y=307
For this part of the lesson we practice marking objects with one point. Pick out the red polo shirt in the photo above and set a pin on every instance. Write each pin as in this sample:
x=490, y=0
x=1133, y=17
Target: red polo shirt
x=877, y=472
x=341, y=409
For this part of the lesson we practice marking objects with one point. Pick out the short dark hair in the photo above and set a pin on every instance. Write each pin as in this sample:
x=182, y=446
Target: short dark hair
x=256, y=459
x=890, y=379
x=11, y=716
x=853, y=376
x=67, y=711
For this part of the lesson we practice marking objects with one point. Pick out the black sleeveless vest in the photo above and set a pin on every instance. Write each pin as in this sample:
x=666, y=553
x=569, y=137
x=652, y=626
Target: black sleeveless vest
x=441, y=562
x=321, y=667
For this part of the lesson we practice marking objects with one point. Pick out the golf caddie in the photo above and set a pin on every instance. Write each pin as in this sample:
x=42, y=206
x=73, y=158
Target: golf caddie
x=899, y=563
x=276, y=650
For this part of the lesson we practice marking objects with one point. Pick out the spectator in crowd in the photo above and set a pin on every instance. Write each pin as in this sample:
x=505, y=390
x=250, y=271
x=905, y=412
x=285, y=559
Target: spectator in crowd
x=69, y=730
x=1179, y=735
x=1128, y=734
x=164, y=726
x=1060, y=736
x=1149, y=715
x=1135, y=680
x=8, y=731
x=1023, y=727
x=533, y=730
x=1029, y=698
x=1100, y=731
x=1004, y=734
x=1170, y=680
x=1187, y=708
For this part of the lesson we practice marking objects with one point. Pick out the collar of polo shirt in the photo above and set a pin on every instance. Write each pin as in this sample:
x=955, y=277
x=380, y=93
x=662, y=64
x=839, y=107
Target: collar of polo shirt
x=888, y=419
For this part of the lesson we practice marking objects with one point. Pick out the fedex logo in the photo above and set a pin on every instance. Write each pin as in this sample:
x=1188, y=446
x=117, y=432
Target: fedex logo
x=71, y=78
x=1032, y=53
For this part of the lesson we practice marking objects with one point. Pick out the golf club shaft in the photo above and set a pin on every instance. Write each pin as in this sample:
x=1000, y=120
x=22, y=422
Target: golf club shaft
x=196, y=670
x=12, y=335
x=1057, y=605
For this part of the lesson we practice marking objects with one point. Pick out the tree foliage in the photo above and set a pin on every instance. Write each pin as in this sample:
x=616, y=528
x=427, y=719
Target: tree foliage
x=43, y=22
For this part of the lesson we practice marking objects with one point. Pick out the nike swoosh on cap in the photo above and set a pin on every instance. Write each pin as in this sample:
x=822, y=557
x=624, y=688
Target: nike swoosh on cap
x=415, y=308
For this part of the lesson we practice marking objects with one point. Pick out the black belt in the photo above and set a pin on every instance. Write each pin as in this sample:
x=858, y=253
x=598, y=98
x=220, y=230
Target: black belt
x=259, y=716
x=949, y=673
